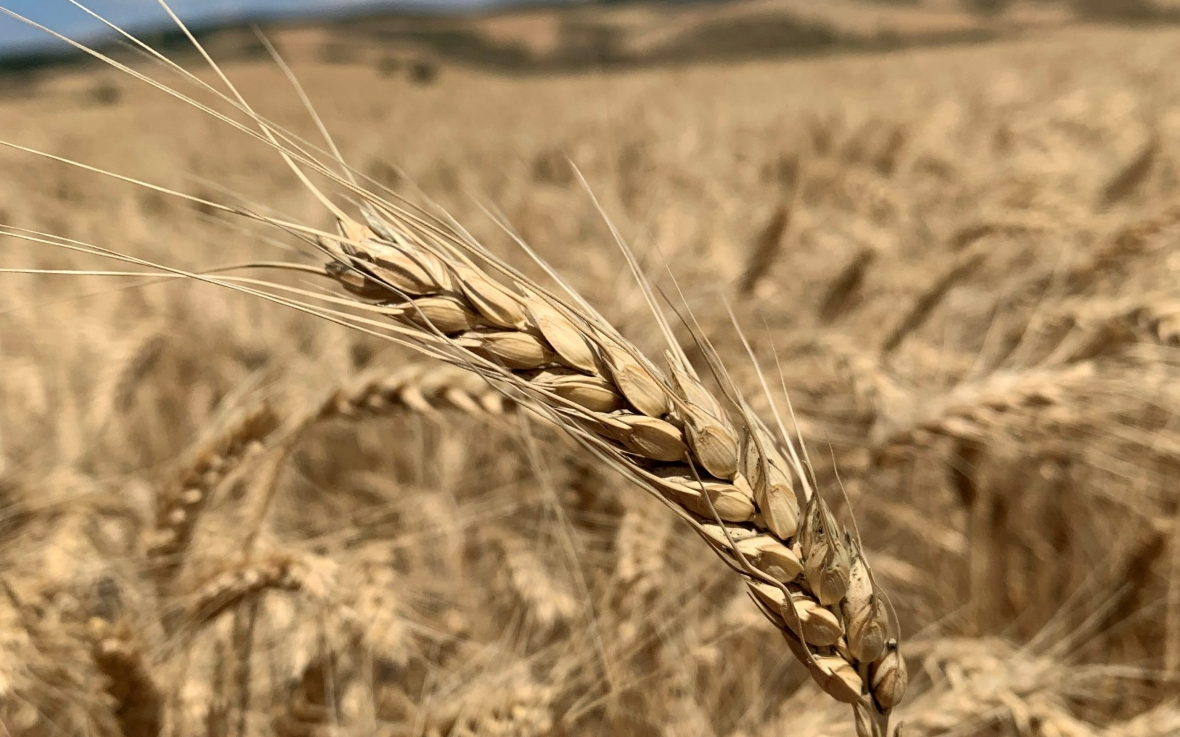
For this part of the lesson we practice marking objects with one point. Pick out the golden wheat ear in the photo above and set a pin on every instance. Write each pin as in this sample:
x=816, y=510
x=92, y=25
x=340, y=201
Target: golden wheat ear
x=728, y=477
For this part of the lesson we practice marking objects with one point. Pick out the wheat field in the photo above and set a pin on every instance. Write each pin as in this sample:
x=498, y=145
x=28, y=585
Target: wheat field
x=221, y=516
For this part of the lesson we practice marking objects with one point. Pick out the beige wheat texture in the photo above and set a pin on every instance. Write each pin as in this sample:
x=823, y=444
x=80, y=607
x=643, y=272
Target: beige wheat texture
x=343, y=435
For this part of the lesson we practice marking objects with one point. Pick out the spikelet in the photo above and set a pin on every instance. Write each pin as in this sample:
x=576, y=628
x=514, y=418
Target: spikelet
x=825, y=553
x=711, y=435
x=889, y=677
x=864, y=612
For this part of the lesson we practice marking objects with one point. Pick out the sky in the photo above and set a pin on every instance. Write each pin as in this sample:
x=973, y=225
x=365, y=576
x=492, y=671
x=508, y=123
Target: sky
x=63, y=17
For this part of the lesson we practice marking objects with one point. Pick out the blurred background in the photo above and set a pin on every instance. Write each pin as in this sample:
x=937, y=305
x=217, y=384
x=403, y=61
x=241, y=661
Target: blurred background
x=515, y=35
x=951, y=226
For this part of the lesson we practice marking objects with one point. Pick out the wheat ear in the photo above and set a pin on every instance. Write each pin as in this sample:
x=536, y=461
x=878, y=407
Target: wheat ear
x=974, y=411
x=179, y=510
x=422, y=388
x=729, y=479
x=276, y=572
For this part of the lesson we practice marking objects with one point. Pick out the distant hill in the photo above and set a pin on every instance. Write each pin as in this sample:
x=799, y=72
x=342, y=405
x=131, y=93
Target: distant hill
x=609, y=33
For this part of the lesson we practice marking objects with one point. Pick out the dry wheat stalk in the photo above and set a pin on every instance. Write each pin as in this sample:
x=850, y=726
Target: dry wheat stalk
x=730, y=480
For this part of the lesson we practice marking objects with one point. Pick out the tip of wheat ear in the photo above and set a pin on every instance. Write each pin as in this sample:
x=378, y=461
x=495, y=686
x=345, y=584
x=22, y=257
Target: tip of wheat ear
x=728, y=478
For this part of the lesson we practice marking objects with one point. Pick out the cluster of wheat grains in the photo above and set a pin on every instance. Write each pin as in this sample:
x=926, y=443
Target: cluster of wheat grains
x=221, y=517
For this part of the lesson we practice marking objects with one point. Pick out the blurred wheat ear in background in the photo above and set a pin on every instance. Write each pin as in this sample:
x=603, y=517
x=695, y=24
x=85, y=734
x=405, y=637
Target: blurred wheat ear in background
x=319, y=449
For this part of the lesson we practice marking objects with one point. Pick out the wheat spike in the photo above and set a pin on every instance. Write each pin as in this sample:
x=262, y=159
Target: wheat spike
x=1128, y=178
x=505, y=700
x=422, y=388
x=1159, y=722
x=118, y=383
x=977, y=411
x=988, y=682
x=1160, y=318
x=727, y=478
x=640, y=541
x=964, y=265
x=178, y=511
x=1114, y=251
x=766, y=249
x=275, y=572
x=131, y=681
x=843, y=289
x=546, y=598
